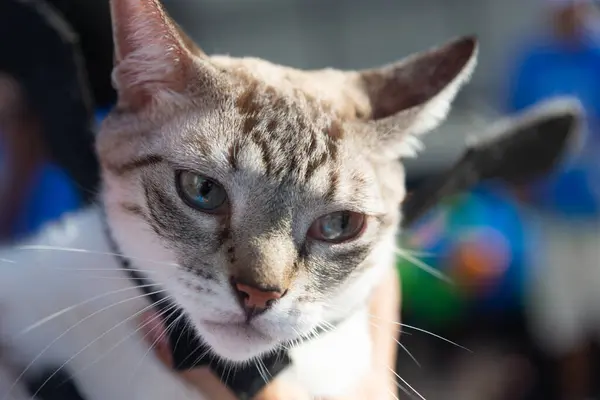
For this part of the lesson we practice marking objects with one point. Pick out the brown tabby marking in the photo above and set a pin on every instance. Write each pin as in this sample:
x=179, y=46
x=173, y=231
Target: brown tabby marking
x=143, y=162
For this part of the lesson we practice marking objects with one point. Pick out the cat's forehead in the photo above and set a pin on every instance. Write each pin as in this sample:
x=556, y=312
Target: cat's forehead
x=326, y=91
x=283, y=134
x=274, y=123
x=285, y=111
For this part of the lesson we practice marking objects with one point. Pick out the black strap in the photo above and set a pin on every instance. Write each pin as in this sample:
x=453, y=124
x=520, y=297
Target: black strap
x=190, y=351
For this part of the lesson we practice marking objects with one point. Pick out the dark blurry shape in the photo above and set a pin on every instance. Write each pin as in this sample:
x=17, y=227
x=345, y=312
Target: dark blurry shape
x=21, y=153
x=43, y=57
x=91, y=20
x=33, y=190
x=518, y=151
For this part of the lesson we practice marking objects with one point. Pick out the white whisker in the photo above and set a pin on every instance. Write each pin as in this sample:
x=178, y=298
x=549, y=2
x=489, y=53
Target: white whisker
x=418, y=253
x=106, y=277
x=403, y=347
x=70, y=308
x=100, y=269
x=45, y=349
x=406, y=383
x=229, y=368
x=185, y=328
x=393, y=394
x=434, y=335
x=169, y=310
x=75, y=250
x=206, y=352
x=405, y=326
x=137, y=314
x=257, y=362
x=424, y=266
x=4, y=260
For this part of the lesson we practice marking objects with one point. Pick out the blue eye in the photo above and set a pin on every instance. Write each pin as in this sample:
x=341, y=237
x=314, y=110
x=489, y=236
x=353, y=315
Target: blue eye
x=338, y=227
x=200, y=192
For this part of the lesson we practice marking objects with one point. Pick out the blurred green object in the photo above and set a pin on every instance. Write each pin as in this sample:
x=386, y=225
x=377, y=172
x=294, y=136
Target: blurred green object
x=427, y=298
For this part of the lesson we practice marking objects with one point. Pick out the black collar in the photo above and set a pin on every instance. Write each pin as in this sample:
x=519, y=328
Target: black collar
x=190, y=351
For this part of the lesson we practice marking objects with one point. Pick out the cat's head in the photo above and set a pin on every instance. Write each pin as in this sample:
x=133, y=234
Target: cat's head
x=267, y=197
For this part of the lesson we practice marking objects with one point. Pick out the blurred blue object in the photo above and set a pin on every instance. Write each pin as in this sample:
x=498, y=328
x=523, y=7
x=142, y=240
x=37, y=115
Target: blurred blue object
x=546, y=67
x=490, y=221
x=52, y=195
x=101, y=113
x=491, y=210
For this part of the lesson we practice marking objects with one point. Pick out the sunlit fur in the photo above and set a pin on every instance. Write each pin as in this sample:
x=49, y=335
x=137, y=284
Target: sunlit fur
x=288, y=146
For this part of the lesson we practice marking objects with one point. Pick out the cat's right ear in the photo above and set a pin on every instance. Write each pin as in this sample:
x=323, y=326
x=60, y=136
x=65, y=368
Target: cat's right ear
x=154, y=59
x=514, y=151
x=413, y=96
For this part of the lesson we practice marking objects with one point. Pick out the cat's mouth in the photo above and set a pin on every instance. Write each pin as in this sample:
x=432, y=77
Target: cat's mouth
x=236, y=328
x=237, y=341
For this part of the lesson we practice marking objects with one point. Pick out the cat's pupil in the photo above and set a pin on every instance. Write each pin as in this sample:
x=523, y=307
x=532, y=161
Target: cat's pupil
x=200, y=192
x=335, y=224
x=204, y=188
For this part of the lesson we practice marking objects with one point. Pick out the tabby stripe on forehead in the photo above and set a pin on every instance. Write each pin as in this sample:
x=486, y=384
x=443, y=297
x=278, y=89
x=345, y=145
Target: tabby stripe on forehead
x=130, y=166
x=332, y=147
x=314, y=164
x=333, y=186
x=231, y=157
x=265, y=151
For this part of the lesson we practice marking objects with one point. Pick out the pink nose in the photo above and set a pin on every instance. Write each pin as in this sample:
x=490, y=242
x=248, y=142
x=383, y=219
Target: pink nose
x=255, y=300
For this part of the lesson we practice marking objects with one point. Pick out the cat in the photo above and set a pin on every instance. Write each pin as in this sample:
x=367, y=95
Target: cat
x=263, y=200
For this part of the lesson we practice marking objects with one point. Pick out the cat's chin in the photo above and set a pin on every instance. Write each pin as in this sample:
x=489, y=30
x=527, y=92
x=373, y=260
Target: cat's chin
x=236, y=342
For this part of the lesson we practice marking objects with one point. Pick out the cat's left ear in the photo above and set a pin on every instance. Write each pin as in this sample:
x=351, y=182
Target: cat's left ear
x=154, y=58
x=413, y=96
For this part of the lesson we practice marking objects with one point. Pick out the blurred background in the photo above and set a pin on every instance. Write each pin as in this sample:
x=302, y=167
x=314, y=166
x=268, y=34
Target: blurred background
x=524, y=262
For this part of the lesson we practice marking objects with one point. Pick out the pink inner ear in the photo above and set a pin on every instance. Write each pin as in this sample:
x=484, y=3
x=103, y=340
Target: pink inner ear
x=138, y=24
x=150, y=55
x=414, y=81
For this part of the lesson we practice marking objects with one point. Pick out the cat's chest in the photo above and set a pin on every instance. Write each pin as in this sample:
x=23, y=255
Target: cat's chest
x=66, y=303
x=332, y=363
x=63, y=290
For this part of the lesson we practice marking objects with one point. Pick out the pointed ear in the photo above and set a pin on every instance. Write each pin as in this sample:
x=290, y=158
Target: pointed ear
x=152, y=55
x=413, y=96
x=530, y=145
x=514, y=151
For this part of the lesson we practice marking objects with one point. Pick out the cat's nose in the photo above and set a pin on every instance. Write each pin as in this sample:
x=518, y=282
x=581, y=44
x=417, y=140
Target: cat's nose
x=255, y=299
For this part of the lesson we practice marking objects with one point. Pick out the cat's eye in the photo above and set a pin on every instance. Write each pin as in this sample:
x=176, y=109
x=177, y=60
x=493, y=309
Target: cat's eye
x=338, y=227
x=200, y=192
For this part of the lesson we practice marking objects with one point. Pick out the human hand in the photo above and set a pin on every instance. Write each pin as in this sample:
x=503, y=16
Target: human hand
x=374, y=386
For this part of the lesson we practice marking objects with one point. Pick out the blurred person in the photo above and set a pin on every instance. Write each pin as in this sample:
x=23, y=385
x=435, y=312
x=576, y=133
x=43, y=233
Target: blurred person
x=47, y=157
x=47, y=62
x=564, y=207
x=32, y=189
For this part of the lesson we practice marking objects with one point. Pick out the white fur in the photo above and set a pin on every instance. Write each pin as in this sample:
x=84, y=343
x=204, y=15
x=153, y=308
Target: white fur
x=7, y=377
x=55, y=309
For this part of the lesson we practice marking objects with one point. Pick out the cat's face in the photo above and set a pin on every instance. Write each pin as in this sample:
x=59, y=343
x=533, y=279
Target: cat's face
x=268, y=197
